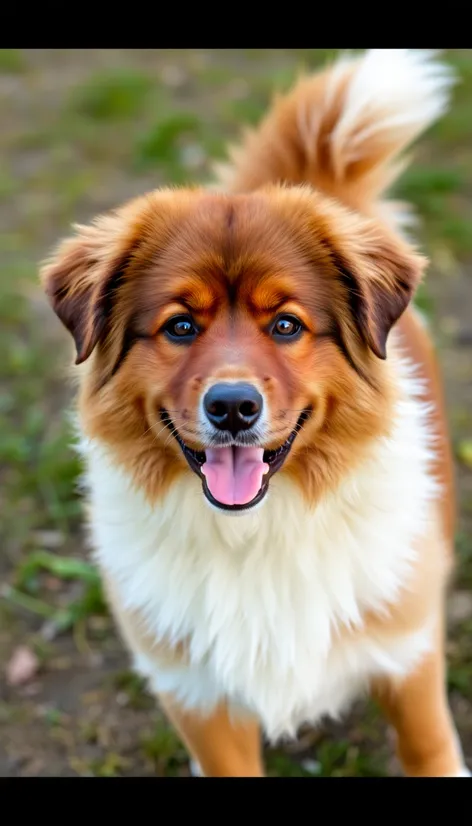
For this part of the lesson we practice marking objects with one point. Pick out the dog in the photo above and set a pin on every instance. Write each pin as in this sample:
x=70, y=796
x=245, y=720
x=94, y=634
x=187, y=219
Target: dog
x=250, y=349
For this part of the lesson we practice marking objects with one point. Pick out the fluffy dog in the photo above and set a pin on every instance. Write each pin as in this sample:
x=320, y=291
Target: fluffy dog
x=251, y=350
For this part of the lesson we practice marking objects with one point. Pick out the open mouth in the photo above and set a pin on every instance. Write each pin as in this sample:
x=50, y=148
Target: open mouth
x=236, y=478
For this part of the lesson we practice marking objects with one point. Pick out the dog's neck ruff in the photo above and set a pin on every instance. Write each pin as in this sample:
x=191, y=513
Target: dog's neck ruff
x=258, y=599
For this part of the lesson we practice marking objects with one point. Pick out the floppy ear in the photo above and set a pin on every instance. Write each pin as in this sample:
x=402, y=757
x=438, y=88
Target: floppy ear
x=82, y=276
x=380, y=278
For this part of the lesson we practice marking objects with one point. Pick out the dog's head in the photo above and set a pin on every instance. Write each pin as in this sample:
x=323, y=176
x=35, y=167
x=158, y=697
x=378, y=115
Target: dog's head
x=232, y=335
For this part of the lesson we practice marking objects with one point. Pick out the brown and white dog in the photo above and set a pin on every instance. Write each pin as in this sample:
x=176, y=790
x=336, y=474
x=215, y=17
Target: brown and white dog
x=234, y=360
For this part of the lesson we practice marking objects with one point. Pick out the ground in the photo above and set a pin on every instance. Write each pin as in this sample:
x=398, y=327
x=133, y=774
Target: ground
x=81, y=132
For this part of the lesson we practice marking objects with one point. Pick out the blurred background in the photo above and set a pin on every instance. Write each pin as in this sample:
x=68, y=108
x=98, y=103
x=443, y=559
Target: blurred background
x=81, y=132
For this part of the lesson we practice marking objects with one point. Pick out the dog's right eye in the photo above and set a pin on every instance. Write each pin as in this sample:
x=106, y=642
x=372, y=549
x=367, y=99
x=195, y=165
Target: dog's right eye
x=180, y=328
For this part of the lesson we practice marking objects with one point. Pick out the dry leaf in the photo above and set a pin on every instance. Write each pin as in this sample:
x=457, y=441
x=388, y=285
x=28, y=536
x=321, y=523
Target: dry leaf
x=22, y=667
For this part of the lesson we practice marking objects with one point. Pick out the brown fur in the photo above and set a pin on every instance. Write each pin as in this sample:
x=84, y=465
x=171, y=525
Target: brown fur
x=285, y=249
x=233, y=260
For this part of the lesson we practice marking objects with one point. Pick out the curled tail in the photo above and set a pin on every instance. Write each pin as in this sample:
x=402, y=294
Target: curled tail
x=342, y=130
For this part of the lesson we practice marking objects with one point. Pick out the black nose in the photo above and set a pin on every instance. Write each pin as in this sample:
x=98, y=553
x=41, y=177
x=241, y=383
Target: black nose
x=233, y=407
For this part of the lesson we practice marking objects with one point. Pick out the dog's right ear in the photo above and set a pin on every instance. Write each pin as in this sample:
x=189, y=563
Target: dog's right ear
x=82, y=275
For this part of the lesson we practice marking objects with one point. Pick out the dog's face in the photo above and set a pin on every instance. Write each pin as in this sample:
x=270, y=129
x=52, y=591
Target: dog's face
x=232, y=336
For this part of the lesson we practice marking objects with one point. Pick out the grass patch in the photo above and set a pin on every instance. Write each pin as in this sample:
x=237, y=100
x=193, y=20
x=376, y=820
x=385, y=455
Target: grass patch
x=11, y=61
x=281, y=765
x=459, y=675
x=60, y=566
x=37, y=466
x=164, y=750
x=339, y=758
x=331, y=758
x=420, y=183
x=317, y=58
x=111, y=765
x=455, y=127
x=247, y=111
x=8, y=185
x=464, y=452
x=134, y=687
x=459, y=678
x=437, y=192
x=162, y=145
x=423, y=300
x=114, y=95
x=464, y=553
x=61, y=619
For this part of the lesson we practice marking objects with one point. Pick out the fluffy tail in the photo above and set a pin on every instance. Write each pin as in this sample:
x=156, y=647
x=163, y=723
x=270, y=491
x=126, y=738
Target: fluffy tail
x=342, y=130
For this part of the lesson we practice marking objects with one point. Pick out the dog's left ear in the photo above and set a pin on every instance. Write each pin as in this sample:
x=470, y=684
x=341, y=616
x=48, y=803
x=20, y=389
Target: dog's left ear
x=380, y=274
x=81, y=278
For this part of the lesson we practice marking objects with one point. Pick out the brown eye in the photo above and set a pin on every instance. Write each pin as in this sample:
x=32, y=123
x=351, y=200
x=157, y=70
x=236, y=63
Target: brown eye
x=287, y=326
x=180, y=328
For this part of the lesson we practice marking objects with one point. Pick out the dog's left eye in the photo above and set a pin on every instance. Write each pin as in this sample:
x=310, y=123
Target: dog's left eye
x=286, y=326
x=180, y=327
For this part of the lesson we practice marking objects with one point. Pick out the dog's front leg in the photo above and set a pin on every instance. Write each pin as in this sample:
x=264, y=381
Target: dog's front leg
x=221, y=745
x=417, y=708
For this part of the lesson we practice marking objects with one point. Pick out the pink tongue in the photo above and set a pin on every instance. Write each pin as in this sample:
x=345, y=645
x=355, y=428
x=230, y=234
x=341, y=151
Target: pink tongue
x=234, y=474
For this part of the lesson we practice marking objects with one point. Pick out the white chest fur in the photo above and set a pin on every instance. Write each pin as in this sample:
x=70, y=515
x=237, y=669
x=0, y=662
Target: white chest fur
x=259, y=596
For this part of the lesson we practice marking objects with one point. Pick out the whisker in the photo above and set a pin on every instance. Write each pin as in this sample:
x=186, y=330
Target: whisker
x=148, y=430
x=169, y=438
x=293, y=410
x=173, y=432
x=215, y=440
x=152, y=427
x=185, y=422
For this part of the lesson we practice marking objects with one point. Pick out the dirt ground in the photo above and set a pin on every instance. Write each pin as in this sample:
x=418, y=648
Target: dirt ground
x=83, y=130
